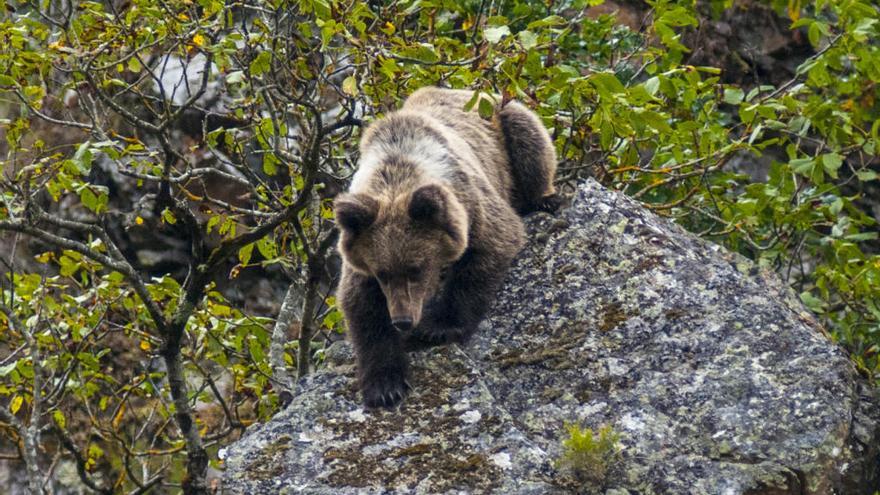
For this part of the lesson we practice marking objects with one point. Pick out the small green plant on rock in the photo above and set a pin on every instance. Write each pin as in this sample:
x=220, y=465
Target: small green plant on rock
x=588, y=455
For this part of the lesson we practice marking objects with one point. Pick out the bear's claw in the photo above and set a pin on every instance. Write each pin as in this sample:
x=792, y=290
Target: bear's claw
x=550, y=204
x=385, y=389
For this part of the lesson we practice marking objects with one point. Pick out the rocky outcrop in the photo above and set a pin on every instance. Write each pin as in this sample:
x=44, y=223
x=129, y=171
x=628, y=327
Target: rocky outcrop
x=715, y=376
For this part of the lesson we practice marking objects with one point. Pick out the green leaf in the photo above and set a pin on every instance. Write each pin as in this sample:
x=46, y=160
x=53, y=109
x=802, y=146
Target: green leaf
x=212, y=222
x=349, y=86
x=88, y=198
x=472, y=101
x=67, y=266
x=831, y=162
x=534, y=66
x=836, y=206
x=607, y=81
x=866, y=175
x=814, y=33
x=261, y=63
x=528, y=39
x=652, y=85
x=485, y=108
x=270, y=163
x=656, y=121
x=83, y=158
x=59, y=418
x=168, y=217
x=803, y=166
x=733, y=96
x=322, y=8
x=267, y=248
x=235, y=77
x=812, y=302
x=244, y=254
x=5, y=370
x=756, y=133
x=256, y=351
x=95, y=452
x=862, y=236
x=494, y=34
x=423, y=52
x=864, y=29
x=549, y=21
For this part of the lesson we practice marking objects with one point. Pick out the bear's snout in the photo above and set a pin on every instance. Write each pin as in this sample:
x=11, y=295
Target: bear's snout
x=404, y=305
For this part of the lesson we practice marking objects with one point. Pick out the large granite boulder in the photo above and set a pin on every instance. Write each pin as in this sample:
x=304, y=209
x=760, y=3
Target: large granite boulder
x=715, y=376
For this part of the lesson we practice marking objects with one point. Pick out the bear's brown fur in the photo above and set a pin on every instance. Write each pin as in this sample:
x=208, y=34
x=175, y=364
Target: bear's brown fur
x=430, y=226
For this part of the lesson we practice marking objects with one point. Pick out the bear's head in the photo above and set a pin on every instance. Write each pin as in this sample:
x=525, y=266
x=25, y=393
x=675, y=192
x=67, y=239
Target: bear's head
x=405, y=242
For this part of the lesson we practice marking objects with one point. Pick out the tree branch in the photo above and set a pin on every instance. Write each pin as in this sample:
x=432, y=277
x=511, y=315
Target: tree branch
x=119, y=265
x=29, y=432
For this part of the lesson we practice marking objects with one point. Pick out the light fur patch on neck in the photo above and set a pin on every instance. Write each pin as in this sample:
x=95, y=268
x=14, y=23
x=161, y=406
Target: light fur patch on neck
x=431, y=158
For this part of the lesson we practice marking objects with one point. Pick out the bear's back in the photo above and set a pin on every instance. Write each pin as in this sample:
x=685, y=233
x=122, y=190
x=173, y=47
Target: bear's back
x=482, y=136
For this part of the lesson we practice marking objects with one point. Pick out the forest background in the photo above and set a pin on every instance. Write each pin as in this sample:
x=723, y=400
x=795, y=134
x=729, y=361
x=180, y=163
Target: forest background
x=167, y=259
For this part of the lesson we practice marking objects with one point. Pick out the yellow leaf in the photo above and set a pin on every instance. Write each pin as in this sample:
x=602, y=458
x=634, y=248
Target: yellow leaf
x=60, y=420
x=140, y=221
x=16, y=404
x=349, y=86
x=794, y=10
x=45, y=257
x=192, y=196
x=119, y=415
x=145, y=345
x=198, y=39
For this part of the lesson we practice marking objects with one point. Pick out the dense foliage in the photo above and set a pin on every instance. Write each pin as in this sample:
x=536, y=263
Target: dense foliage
x=231, y=125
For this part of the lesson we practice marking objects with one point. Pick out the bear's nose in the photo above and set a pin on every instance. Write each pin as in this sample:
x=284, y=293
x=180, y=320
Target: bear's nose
x=402, y=324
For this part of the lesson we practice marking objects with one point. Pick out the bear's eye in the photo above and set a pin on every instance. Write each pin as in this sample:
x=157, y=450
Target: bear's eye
x=413, y=272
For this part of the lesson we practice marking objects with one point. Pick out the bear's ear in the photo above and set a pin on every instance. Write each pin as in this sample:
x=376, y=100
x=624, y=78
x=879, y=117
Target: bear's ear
x=355, y=212
x=428, y=204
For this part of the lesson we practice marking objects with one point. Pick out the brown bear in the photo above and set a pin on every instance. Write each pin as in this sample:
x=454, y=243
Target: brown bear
x=430, y=225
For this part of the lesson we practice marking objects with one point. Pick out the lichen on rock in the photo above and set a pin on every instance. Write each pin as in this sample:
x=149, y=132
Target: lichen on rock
x=715, y=376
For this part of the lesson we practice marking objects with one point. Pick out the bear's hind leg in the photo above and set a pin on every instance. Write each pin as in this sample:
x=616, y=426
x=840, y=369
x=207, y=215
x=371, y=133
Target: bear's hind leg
x=532, y=159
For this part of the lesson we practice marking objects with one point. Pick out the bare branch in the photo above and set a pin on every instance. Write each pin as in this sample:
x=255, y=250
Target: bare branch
x=287, y=316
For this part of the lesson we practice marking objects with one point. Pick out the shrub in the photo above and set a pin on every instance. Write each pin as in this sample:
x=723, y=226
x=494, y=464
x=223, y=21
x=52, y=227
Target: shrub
x=589, y=455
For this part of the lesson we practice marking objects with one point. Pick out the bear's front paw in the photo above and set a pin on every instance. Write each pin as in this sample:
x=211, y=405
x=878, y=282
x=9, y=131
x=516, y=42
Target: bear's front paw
x=550, y=204
x=385, y=388
x=432, y=335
